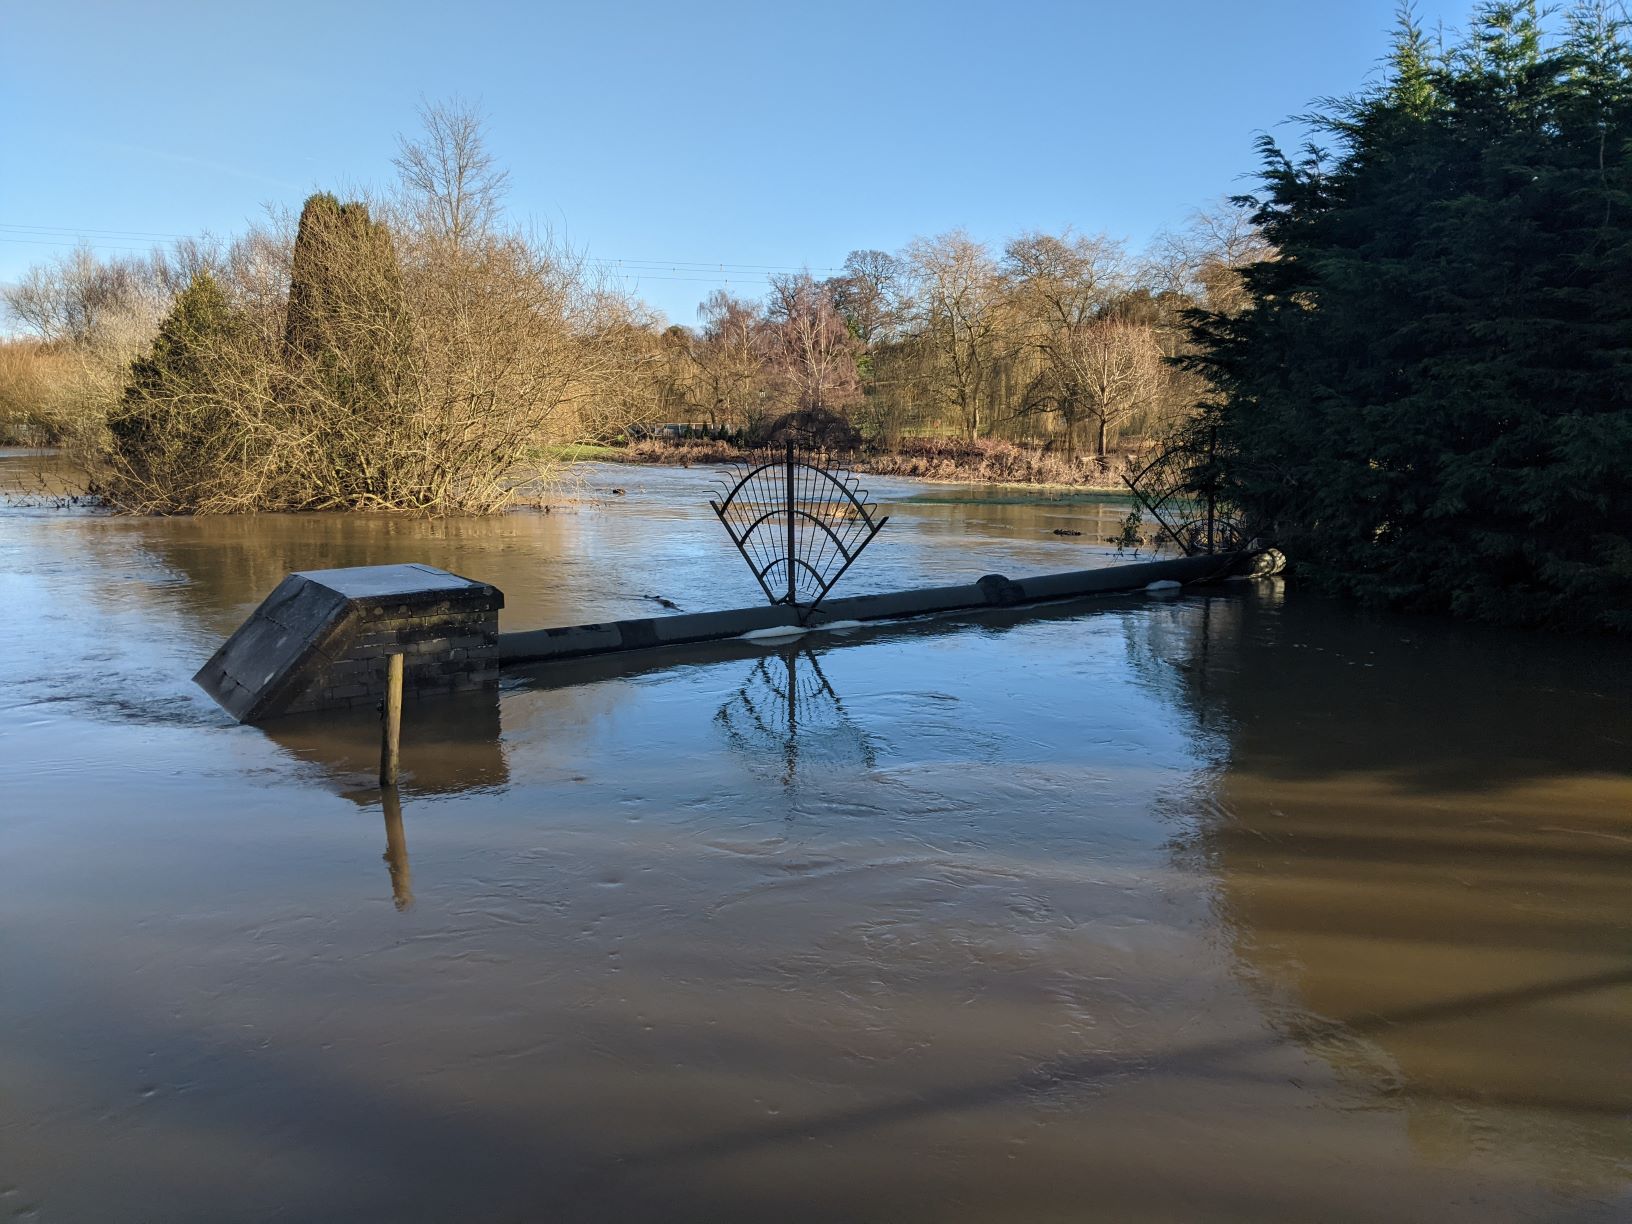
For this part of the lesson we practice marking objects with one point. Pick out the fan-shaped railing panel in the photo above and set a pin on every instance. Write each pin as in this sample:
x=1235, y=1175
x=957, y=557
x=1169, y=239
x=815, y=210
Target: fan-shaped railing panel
x=798, y=523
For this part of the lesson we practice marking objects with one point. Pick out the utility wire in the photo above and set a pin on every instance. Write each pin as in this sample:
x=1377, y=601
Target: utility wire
x=82, y=229
x=709, y=265
x=100, y=246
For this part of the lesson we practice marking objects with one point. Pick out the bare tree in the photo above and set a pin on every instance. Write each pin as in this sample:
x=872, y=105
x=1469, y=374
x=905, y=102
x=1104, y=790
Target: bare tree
x=1097, y=362
x=731, y=361
x=1203, y=261
x=869, y=295
x=1061, y=281
x=813, y=352
x=450, y=184
x=77, y=296
x=93, y=316
x=630, y=358
x=960, y=320
x=175, y=268
x=1116, y=371
x=256, y=267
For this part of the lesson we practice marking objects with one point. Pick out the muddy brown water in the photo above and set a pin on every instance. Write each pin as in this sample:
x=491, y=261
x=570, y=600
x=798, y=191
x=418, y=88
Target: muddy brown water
x=1242, y=906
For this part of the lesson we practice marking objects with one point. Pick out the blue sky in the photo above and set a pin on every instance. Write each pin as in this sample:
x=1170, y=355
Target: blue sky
x=769, y=135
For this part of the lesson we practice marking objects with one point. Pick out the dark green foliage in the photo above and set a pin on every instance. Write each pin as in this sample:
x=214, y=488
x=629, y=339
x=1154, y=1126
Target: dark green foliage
x=173, y=427
x=821, y=428
x=1428, y=399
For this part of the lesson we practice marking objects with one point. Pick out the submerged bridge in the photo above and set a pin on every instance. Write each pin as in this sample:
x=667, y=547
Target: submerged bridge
x=323, y=638
x=339, y=638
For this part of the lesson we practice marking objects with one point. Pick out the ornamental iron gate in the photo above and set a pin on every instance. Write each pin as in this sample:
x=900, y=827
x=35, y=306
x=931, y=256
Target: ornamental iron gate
x=797, y=523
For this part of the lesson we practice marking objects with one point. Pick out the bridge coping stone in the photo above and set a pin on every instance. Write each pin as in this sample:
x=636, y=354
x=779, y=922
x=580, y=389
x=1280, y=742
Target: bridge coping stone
x=320, y=640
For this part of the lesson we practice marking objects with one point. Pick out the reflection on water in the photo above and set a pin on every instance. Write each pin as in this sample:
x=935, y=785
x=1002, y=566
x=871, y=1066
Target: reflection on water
x=1433, y=869
x=396, y=849
x=1244, y=907
x=785, y=709
x=451, y=743
x=554, y=566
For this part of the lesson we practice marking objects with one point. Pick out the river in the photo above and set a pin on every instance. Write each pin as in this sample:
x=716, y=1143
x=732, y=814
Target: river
x=1239, y=906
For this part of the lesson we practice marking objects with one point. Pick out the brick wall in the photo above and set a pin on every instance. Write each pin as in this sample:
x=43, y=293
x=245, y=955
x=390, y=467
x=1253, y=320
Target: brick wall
x=320, y=641
x=448, y=646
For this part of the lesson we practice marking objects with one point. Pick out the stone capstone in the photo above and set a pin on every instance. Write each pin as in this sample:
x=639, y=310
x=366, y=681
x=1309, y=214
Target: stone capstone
x=321, y=639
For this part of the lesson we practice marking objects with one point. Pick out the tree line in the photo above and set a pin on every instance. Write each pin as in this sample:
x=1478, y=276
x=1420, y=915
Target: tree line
x=1063, y=341
x=416, y=351
x=1426, y=398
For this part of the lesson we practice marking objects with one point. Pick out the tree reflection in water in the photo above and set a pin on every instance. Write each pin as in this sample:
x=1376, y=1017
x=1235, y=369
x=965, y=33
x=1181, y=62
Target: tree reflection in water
x=1424, y=879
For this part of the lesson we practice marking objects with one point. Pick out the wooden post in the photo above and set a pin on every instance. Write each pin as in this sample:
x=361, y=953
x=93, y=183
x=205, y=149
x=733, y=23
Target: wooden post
x=391, y=721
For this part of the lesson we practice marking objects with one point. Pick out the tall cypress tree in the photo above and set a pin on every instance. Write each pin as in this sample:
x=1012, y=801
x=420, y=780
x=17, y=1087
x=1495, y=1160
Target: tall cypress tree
x=1427, y=400
x=344, y=273
x=347, y=344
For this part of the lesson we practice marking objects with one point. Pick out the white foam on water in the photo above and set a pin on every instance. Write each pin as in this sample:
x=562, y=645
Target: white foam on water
x=777, y=632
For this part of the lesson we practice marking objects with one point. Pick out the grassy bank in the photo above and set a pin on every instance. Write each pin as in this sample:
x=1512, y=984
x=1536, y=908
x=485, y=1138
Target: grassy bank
x=585, y=452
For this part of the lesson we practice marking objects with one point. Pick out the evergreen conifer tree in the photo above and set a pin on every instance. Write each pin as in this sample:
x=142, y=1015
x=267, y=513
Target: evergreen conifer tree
x=1429, y=398
x=347, y=345
x=174, y=428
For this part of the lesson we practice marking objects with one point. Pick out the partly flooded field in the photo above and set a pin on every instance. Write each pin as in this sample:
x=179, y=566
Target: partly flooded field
x=1241, y=906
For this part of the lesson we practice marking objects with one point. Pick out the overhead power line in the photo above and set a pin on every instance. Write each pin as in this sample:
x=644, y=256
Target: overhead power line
x=99, y=246
x=707, y=280
x=709, y=265
x=88, y=230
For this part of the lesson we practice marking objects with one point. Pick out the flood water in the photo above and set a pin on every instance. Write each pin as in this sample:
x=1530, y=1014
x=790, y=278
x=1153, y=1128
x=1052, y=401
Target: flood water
x=1241, y=906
